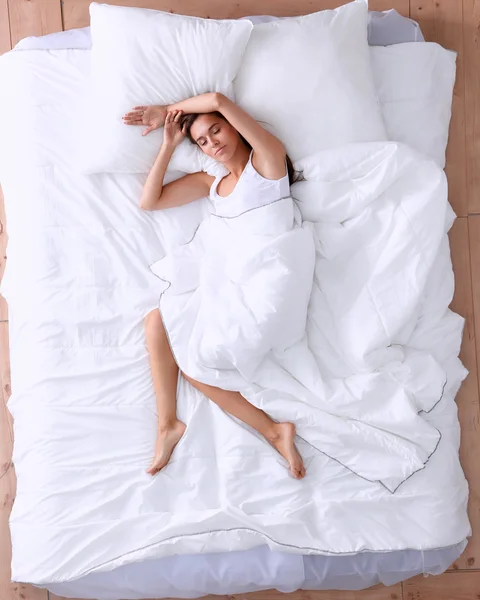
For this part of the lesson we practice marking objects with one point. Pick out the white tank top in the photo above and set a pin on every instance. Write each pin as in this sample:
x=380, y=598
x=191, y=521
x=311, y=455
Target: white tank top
x=252, y=191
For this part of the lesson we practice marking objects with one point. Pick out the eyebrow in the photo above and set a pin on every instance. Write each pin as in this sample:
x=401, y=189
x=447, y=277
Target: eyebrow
x=202, y=136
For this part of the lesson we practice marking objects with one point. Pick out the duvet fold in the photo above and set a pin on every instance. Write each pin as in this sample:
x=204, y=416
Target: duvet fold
x=306, y=305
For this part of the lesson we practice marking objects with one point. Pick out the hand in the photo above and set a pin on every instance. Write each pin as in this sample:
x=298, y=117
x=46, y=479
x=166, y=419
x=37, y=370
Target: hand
x=174, y=132
x=151, y=116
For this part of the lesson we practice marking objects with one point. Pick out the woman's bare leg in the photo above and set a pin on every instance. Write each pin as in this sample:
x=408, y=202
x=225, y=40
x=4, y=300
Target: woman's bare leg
x=165, y=378
x=280, y=435
x=170, y=429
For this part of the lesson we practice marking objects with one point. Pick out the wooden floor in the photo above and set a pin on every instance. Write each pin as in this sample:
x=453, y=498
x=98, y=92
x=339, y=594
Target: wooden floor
x=456, y=25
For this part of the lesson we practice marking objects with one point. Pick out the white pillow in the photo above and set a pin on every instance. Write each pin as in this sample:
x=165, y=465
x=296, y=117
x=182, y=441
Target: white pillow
x=415, y=87
x=309, y=80
x=142, y=56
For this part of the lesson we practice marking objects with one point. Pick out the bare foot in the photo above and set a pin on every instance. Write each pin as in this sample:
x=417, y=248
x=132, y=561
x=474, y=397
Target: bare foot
x=167, y=439
x=283, y=441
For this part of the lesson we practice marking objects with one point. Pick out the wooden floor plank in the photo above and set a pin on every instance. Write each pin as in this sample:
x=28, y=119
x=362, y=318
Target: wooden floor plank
x=450, y=586
x=469, y=406
x=401, y=6
x=377, y=593
x=442, y=22
x=5, y=41
x=471, y=41
x=34, y=17
x=53, y=597
x=468, y=397
x=75, y=12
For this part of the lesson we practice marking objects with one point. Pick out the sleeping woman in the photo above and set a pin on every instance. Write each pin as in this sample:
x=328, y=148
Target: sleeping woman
x=257, y=164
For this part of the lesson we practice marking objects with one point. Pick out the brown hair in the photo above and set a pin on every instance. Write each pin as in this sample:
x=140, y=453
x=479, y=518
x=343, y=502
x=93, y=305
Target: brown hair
x=189, y=120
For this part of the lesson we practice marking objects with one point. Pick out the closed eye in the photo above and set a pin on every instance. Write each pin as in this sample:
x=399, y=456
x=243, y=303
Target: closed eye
x=203, y=141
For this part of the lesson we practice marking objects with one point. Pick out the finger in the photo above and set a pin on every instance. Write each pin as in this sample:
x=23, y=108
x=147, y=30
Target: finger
x=136, y=113
x=169, y=117
x=148, y=130
x=177, y=117
x=184, y=129
x=132, y=119
x=140, y=108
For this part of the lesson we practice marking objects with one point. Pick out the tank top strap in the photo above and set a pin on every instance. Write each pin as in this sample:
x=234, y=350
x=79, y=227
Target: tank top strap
x=213, y=187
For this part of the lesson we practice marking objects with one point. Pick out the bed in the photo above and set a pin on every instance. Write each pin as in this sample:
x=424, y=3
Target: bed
x=64, y=294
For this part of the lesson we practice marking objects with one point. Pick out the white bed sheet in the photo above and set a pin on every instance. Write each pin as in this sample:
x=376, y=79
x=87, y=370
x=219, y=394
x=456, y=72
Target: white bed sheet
x=93, y=222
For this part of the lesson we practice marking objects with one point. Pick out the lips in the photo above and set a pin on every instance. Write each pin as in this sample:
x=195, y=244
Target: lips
x=219, y=150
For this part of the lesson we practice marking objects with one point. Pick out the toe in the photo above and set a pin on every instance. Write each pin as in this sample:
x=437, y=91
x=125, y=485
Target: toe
x=295, y=473
x=153, y=469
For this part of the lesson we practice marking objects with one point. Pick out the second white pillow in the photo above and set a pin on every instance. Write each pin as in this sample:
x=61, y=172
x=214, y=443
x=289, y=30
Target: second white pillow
x=309, y=81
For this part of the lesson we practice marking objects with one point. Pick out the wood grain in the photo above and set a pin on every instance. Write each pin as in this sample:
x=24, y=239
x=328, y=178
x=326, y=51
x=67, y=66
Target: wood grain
x=471, y=43
x=401, y=6
x=5, y=41
x=53, y=597
x=450, y=586
x=376, y=593
x=34, y=17
x=75, y=12
x=442, y=22
x=468, y=397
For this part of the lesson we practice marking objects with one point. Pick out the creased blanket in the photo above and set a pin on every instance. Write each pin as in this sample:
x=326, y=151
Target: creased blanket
x=307, y=305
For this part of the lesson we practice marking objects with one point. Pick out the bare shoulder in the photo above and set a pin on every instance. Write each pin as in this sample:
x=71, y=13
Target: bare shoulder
x=206, y=178
x=271, y=165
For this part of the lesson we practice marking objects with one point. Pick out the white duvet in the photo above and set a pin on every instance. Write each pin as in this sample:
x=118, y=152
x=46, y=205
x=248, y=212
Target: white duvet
x=369, y=380
x=236, y=299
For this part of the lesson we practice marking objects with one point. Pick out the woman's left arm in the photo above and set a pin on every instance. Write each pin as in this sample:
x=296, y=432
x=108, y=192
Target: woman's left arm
x=264, y=144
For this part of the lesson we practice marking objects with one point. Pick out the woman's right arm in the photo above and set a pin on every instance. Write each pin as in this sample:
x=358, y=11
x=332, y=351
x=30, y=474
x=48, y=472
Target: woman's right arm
x=155, y=195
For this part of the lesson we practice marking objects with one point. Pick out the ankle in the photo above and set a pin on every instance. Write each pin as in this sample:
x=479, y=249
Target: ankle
x=273, y=433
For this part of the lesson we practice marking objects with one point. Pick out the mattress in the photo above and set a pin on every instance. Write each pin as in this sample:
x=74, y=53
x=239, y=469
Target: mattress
x=53, y=197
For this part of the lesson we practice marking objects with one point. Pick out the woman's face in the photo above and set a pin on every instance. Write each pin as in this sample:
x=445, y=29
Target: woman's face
x=215, y=136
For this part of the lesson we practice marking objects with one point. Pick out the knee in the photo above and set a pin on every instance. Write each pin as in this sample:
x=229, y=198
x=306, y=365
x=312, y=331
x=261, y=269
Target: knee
x=152, y=319
x=154, y=325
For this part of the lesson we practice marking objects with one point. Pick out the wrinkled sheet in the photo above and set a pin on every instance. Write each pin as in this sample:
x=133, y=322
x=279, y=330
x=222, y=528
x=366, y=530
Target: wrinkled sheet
x=236, y=299
x=78, y=283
